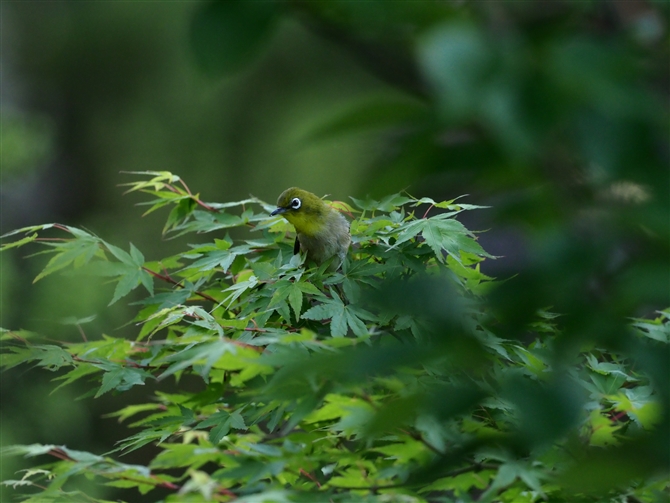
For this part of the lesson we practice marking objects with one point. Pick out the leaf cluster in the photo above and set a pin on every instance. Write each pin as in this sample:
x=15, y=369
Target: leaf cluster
x=388, y=380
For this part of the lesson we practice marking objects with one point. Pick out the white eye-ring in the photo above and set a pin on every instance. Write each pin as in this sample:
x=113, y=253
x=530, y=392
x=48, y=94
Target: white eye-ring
x=295, y=203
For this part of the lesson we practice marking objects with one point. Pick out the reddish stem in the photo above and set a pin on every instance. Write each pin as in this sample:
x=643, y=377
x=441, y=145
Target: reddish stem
x=197, y=201
x=166, y=484
x=227, y=492
x=310, y=477
x=616, y=417
x=166, y=277
x=19, y=338
x=344, y=210
x=58, y=453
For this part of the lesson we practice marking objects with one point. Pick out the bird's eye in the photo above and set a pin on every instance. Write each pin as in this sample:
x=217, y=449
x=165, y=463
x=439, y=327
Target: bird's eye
x=295, y=203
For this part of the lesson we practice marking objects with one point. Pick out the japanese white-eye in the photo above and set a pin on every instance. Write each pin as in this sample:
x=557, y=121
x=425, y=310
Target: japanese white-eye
x=322, y=231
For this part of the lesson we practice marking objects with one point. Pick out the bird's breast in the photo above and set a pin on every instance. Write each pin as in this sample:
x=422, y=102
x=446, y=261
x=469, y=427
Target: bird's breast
x=307, y=223
x=331, y=239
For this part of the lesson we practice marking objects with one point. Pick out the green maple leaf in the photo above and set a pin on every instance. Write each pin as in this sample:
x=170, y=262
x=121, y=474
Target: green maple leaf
x=342, y=317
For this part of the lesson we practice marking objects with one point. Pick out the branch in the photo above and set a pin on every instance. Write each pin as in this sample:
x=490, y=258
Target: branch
x=188, y=191
x=310, y=477
x=166, y=277
x=425, y=215
x=58, y=453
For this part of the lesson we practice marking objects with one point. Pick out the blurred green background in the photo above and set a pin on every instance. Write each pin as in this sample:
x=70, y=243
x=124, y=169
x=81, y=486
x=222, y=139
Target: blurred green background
x=554, y=113
x=93, y=89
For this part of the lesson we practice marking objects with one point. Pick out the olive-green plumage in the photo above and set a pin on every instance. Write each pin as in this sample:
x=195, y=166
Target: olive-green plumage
x=322, y=231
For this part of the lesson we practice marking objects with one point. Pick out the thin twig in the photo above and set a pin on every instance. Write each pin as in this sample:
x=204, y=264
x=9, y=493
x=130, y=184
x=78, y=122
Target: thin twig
x=227, y=492
x=310, y=477
x=168, y=279
x=60, y=454
x=19, y=338
x=197, y=201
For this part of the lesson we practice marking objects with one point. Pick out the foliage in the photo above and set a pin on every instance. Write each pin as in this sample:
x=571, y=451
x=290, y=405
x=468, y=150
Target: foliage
x=396, y=378
x=408, y=375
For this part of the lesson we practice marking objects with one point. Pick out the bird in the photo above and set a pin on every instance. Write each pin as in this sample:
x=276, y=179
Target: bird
x=322, y=232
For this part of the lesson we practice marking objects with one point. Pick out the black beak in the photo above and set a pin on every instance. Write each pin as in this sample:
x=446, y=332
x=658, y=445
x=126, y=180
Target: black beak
x=278, y=211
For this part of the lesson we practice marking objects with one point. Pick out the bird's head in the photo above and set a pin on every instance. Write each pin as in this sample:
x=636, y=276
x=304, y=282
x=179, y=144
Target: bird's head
x=306, y=211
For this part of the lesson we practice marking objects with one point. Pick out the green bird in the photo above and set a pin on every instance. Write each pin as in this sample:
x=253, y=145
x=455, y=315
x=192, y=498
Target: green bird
x=323, y=232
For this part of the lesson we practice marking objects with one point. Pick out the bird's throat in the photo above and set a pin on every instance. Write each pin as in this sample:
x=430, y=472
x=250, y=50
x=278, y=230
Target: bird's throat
x=308, y=224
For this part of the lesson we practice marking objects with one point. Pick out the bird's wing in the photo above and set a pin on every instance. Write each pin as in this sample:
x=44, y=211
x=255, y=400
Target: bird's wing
x=296, y=246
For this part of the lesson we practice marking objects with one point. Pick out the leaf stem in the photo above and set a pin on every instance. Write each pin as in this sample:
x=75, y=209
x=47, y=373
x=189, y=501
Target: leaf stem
x=426, y=213
x=166, y=277
x=190, y=194
x=310, y=477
